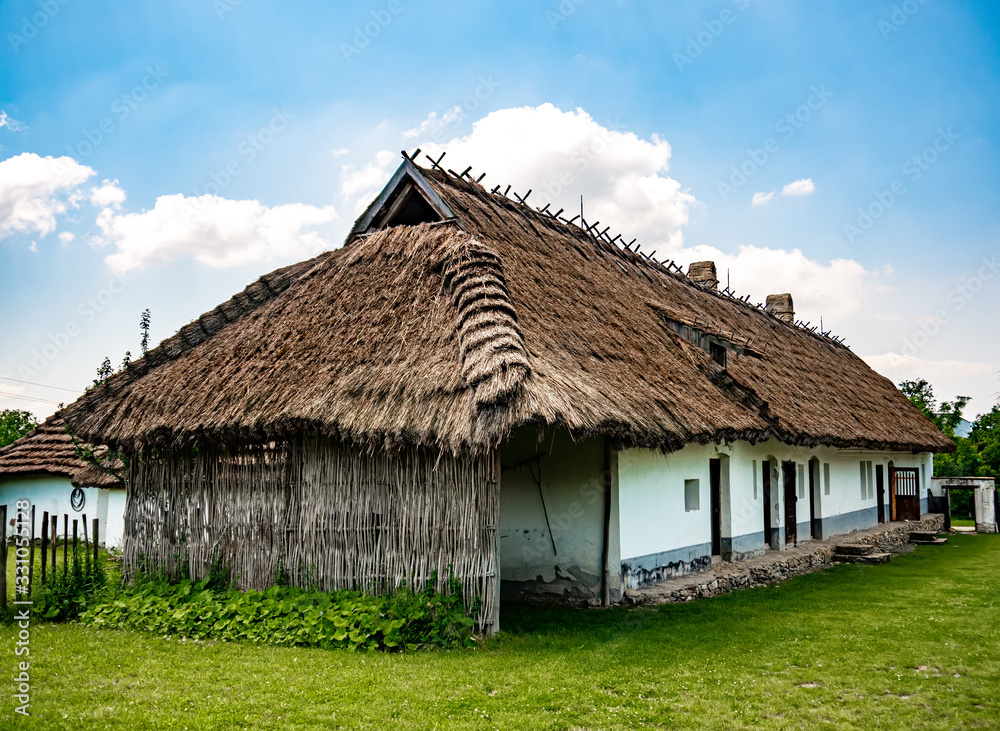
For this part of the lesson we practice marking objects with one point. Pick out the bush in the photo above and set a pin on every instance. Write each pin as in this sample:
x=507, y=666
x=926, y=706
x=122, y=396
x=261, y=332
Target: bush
x=287, y=616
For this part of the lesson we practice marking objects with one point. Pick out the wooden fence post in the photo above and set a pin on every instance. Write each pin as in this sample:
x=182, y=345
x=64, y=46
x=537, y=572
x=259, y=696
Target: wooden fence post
x=86, y=543
x=55, y=529
x=31, y=551
x=66, y=543
x=76, y=542
x=45, y=542
x=3, y=555
x=97, y=526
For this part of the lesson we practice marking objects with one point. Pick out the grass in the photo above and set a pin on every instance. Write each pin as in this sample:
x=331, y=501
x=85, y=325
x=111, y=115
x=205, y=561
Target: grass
x=913, y=644
x=963, y=522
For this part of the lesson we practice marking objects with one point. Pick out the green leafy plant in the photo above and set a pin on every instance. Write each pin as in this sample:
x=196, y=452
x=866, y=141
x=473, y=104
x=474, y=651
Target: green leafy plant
x=289, y=616
x=69, y=592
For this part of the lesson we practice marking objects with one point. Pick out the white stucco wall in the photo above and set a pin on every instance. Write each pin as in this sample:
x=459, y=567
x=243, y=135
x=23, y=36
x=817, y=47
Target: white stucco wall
x=51, y=493
x=572, y=478
x=656, y=527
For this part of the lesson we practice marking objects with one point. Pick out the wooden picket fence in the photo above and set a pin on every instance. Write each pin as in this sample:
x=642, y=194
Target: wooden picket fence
x=49, y=546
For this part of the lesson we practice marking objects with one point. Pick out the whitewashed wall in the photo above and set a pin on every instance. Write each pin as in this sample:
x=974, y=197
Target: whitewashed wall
x=572, y=484
x=51, y=493
x=662, y=538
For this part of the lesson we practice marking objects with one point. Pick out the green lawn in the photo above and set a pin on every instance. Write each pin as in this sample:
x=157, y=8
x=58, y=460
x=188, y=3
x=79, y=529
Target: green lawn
x=963, y=522
x=914, y=644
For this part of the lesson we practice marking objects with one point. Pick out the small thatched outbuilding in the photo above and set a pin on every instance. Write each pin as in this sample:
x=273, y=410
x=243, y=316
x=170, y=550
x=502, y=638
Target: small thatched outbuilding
x=476, y=384
x=46, y=468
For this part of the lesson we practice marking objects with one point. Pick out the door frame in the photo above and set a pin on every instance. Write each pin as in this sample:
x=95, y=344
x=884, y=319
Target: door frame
x=789, y=478
x=766, y=497
x=815, y=521
x=715, y=492
x=880, y=491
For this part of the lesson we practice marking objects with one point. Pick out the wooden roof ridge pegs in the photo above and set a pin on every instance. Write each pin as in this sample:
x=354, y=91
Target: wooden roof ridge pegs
x=571, y=220
x=556, y=214
x=617, y=236
x=629, y=243
x=496, y=188
x=544, y=210
x=465, y=172
x=507, y=191
x=608, y=228
x=436, y=164
x=480, y=178
x=453, y=173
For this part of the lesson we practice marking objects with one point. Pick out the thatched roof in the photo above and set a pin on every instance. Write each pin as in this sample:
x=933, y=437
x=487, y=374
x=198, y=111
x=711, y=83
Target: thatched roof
x=453, y=333
x=49, y=450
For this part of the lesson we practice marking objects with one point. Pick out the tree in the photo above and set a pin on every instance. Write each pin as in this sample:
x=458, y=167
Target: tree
x=144, y=330
x=14, y=424
x=946, y=416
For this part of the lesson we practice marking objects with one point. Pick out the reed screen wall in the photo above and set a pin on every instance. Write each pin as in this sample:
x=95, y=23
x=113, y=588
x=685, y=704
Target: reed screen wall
x=332, y=515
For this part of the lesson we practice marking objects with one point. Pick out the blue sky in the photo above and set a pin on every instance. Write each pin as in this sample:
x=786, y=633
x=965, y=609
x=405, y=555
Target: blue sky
x=893, y=139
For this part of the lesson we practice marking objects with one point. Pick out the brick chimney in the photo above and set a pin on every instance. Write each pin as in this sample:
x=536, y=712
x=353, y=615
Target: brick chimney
x=703, y=273
x=780, y=305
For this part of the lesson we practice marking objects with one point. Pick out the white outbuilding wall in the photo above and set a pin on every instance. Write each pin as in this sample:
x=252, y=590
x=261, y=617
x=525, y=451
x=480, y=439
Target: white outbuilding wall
x=52, y=494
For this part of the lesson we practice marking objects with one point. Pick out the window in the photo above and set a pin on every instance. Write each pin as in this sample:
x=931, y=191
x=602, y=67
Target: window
x=692, y=495
x=754, y=479
x=867, y=481
x=718, y=353
x=802, y=480
x=826, y=478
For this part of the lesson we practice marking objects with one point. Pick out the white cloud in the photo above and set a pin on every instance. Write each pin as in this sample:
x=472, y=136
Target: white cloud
x=66, y=237
x=10, y=123
x=835, y=290
x=109, y=193
x=34, y=190
x=214, y=231
x=339, y=152
x=801, y=187
x=367, y=180
x=561, y=155
x=760, y=199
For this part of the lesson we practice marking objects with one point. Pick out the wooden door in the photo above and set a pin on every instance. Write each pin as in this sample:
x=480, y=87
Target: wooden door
x=880, y=490
x=715, y=484
x=906, y=486
x=815, y=524
x=766, y=496
x=788, y=473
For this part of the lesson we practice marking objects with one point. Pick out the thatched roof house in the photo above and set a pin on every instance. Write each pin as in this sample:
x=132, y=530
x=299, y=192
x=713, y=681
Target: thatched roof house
x=45, y=468
x=454, y=316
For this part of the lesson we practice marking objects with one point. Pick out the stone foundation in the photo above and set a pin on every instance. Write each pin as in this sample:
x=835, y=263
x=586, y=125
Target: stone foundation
x=775, y=566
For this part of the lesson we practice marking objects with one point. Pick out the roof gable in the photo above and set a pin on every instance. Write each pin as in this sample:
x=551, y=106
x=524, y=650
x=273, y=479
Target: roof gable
x=406, y=200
